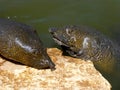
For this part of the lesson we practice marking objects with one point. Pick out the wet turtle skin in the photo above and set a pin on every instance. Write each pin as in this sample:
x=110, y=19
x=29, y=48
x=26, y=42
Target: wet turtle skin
x=89, y=44
x=20, y=42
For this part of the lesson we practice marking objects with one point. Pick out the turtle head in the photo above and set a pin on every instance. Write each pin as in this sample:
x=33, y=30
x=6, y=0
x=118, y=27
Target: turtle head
x=41, y=60
x=46, y=62
x=34, y=54
x=78, y=41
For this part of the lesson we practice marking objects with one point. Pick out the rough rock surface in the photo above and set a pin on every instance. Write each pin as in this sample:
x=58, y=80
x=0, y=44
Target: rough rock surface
x=70, y=74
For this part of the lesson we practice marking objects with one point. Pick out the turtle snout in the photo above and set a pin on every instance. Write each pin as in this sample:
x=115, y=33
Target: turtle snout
x=49, y=64
x=52, y=30
x=52, y=66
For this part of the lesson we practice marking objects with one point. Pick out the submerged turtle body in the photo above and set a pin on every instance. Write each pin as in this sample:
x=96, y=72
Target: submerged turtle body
x=89, y=44
x=20, y=42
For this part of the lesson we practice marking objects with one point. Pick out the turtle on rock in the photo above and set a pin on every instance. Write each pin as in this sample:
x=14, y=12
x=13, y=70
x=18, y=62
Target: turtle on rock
x=89, y=44
x=20, y=42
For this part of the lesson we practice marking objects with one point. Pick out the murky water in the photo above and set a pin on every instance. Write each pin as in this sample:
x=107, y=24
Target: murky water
x=104, y=15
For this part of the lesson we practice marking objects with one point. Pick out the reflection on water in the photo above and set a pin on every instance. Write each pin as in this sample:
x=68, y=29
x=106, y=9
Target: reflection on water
x=104, y=15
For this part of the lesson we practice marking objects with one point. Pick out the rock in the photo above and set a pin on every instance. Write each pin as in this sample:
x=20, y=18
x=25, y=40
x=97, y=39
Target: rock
x=70, y=73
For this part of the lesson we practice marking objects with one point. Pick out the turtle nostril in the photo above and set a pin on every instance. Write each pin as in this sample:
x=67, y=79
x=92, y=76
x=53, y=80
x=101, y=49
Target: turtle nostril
x=52, y=30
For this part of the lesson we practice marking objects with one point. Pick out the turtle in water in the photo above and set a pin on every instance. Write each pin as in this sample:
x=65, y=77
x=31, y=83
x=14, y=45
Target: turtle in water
x=88, y=44
x=20, y=42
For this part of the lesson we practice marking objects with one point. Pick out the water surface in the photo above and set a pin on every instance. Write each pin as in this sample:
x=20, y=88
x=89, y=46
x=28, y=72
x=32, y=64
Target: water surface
x=103, y=15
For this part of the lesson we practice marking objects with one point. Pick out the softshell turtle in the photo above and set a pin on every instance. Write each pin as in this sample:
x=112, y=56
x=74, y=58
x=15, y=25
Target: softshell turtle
x=20, y=42
x=88, y=44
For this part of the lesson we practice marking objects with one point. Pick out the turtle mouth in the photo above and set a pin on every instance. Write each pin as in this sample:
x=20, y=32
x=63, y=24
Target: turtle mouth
x=58, y=41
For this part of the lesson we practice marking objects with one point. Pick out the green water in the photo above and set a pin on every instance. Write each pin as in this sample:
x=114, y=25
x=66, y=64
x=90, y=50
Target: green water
x=104, y=15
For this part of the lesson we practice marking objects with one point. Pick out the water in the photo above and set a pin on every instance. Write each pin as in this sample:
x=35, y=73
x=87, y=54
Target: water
x=104, y=15
x=42, y=14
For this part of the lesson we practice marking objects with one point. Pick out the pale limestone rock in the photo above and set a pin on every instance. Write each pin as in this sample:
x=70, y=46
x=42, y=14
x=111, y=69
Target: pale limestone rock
x=70, y=74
